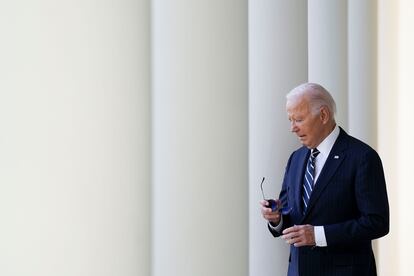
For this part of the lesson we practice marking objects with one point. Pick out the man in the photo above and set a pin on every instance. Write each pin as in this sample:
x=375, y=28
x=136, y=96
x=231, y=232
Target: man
x=333, y=194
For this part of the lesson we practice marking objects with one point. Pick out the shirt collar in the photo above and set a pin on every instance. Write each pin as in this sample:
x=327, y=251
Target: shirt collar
x=326, y=145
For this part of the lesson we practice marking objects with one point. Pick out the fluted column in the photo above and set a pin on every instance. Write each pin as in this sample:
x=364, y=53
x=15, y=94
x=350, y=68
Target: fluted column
x=277, y=63
x=74, y=113
x=143, y=154
x=200, y=158
x=362, y=73
x=328, y=51
x=362, y=70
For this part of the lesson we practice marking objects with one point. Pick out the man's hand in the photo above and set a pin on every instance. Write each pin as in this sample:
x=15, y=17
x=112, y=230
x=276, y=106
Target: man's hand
x=273, y=217
x=300, y=235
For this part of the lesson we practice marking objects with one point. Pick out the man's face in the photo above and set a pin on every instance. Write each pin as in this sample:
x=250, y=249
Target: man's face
x=307, y=126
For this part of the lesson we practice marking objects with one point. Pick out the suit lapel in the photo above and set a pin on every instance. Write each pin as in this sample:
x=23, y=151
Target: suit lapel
x=298, y=183
x=334, y=160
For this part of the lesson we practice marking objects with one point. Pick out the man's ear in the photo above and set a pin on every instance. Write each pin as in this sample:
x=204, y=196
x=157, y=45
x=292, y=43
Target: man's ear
x=325, y=114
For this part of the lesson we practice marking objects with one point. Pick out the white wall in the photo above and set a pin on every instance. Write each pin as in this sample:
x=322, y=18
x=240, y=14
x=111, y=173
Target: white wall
x=74, y=140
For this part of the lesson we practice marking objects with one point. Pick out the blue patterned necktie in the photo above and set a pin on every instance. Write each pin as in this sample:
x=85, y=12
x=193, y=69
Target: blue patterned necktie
x=308, y=179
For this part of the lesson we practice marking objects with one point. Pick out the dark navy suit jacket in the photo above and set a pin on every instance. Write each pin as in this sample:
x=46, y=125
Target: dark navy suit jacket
x=349, y=199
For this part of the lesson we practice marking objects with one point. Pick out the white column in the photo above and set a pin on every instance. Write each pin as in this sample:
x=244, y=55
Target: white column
x=388, y=123
x=328, y=51
x=74, y=145
x=405, y=134
x=200, y=157
x=362, y=70
x=277, y=63
x=141, y=78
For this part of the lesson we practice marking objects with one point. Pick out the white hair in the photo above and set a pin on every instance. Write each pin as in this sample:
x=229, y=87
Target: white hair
x=317, y=95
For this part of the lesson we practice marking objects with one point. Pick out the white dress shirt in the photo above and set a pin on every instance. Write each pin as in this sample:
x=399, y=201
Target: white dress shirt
x=324, y=148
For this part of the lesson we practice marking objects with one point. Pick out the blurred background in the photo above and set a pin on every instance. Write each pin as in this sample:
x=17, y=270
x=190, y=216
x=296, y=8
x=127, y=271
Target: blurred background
x=135, y=133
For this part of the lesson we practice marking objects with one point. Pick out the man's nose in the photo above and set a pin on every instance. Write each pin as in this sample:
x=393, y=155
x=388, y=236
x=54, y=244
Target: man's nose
x=293, y=127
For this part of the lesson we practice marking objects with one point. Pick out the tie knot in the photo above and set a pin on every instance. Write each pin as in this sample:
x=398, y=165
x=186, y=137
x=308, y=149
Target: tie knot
x=315, y=152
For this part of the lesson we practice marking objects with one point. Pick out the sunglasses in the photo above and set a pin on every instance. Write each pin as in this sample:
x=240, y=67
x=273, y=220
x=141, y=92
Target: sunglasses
x=284, y=210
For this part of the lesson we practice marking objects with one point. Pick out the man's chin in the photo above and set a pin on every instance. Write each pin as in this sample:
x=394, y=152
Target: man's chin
x=302, y=141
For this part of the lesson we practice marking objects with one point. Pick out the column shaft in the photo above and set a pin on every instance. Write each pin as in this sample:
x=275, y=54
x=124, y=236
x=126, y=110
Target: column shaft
x=387, y=114
x=74, y=111
x=362, y=65
x=277, y=63
x=327, y=28
x=199, y=80
x=405, y=134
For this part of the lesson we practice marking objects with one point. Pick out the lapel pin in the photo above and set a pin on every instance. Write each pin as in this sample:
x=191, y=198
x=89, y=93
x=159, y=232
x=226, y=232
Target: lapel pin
x=336, y=157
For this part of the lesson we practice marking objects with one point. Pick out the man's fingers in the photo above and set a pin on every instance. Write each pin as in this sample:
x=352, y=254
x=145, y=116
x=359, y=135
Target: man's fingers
x=299, y=244
x=298, y=235
x=271, y=217
x=290, y=229
x=290, y=235
x=295, y=240
x=266, y=212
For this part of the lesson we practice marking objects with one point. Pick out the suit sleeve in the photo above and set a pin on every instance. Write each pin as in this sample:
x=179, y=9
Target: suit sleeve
x=283, y=196
x=372, y=203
